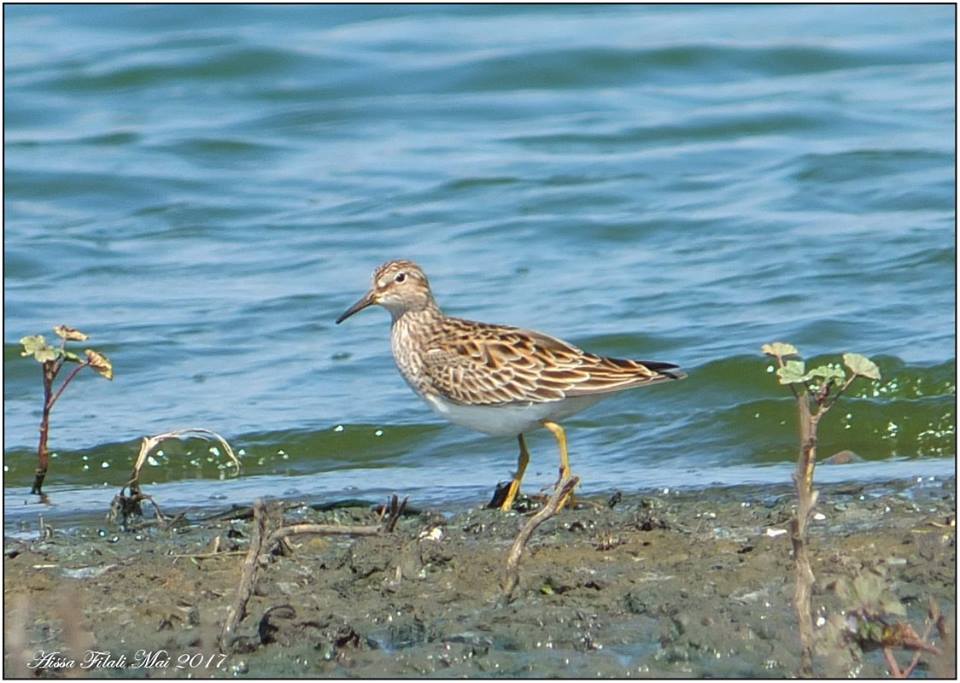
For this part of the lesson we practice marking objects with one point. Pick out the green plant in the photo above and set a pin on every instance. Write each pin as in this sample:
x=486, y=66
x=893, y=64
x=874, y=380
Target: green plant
x=875, y=618
x=816, y=391
x=52, y=359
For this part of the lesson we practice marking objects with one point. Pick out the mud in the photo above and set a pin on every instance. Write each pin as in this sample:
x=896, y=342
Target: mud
x=662, y=583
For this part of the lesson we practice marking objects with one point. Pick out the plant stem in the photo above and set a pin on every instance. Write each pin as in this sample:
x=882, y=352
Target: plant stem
x=43, y=459
x=806, y=500
x=891, y=661
x=76, y=370
x=827, y=406
x=50, y=371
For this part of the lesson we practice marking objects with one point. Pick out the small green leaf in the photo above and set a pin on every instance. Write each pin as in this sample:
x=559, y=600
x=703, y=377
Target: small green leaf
x=827, y=372
x=100, y=363
x=72, y=357
x=779, y=349
x=69, y=333
x=37, y=347
x=861, y=365
x=31, y=344
x=870, y=632
x=46, y=355
x=890, y=604
x=792, y=371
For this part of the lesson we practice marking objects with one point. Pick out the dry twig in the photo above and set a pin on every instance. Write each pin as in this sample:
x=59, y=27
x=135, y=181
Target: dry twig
x=248, y=576
x=919, y=646
x=125, y=506
x=151, y=442
x=512, y=571
x=263, y=542
x=207, y=556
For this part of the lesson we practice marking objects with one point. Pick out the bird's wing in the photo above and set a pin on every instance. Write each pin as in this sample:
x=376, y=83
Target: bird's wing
x=483, y=364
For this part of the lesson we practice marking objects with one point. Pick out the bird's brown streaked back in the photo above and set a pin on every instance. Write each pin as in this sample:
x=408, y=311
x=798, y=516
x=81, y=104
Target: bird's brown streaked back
x=483, y=364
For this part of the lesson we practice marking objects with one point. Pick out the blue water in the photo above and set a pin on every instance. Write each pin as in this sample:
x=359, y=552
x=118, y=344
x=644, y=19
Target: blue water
x=204, y=189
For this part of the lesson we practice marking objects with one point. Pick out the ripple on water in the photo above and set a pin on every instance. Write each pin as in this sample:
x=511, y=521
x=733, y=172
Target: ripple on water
x=204, y=190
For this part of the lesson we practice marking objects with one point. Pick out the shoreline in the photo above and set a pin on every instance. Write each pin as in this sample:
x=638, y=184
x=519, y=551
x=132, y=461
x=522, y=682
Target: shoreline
x=687, y=583
x=87, y=505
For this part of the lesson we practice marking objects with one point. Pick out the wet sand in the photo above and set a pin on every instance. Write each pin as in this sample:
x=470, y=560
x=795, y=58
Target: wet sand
x=659, y=583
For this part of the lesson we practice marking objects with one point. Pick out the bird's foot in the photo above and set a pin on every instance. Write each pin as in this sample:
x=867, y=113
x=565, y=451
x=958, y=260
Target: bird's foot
x=512, y=492
x=505, y=496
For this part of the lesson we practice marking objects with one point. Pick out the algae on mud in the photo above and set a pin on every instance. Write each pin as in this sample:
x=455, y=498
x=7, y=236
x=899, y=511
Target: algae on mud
x=659, y=584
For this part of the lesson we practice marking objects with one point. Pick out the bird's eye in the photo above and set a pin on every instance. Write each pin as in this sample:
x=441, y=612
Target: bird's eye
x=400, y=277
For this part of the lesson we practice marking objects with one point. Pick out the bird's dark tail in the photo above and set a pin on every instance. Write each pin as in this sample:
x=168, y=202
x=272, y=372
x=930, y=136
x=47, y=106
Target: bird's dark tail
x=666, y=369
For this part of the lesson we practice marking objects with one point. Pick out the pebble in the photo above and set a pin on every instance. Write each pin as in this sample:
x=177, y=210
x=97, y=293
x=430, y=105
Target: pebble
x=435, y=534
x=842, y=458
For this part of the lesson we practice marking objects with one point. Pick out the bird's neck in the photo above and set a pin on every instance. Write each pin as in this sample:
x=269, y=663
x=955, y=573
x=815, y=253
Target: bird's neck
x=428, y=313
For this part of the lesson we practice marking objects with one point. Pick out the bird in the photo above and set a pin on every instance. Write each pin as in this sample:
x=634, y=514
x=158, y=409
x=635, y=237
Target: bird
x=495, y=379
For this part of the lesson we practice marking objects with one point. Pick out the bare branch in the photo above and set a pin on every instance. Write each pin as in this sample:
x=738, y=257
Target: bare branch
x=151, y=442
x=262, y=542
x=512, y=571
x=934, y=620
x=248, y=577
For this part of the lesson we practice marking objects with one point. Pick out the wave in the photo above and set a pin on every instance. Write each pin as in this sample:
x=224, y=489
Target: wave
x=599, y=67
x=730, y=410
x=744, y=411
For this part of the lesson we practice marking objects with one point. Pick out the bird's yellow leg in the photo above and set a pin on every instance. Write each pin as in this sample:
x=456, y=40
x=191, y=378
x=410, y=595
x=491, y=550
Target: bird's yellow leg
x=515, y=484
x=561, y=438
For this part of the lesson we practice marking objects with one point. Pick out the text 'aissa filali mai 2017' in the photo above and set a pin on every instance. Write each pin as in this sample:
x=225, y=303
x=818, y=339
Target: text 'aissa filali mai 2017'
x=142, y=659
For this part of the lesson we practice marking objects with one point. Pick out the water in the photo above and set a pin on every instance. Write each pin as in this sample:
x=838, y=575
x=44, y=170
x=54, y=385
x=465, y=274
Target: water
x=204, y=189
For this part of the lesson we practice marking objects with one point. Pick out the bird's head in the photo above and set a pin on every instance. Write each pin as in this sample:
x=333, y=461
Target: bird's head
x=398, y=286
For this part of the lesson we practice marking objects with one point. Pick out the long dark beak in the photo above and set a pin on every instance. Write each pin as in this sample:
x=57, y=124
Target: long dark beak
x=366, y=300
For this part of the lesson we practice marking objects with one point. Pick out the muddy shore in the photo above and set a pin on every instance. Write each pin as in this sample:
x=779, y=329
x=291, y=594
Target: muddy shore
x=658, y=583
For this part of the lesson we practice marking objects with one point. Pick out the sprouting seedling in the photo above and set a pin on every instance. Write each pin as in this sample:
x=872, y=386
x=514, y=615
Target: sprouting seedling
x=52, y=359
x=816, y=391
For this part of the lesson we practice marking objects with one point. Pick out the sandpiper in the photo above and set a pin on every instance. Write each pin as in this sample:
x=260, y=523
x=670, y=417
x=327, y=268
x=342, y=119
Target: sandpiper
x=499, y=380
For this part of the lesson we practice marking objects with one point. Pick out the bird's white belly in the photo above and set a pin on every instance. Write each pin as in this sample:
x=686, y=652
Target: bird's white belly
x=509, y=420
